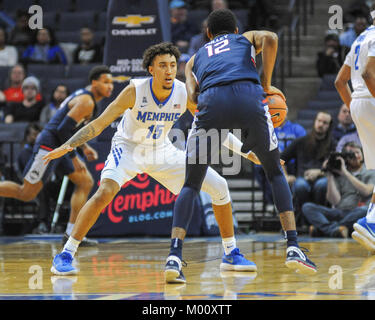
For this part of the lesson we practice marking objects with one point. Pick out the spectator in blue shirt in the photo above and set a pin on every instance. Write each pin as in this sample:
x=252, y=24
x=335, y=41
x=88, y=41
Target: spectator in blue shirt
x=348, y=37
x=44, y=49
x=285, y=133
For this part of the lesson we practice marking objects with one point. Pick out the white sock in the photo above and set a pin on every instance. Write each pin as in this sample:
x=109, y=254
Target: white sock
x=69, y=228
x=71, y=246
x=229, y=244
x=370, y=217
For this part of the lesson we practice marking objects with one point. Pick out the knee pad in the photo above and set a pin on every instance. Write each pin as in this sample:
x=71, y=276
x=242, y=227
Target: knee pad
x=218, y=191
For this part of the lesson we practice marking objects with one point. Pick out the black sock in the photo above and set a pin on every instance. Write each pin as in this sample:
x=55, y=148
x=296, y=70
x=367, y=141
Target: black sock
x=176, y=247
x=291, y=237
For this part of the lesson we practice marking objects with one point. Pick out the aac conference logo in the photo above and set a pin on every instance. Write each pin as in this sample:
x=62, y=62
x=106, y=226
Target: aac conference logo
x=133, y=21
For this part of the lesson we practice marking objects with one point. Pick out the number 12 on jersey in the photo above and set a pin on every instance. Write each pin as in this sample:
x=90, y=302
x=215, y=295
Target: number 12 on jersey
x=217, y=48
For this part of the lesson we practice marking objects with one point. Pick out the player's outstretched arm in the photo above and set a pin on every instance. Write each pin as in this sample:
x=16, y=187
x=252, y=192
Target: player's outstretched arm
x=191, y=84
x=266, y=42
x=124, y=100
x=341, y=84
x=368, y=75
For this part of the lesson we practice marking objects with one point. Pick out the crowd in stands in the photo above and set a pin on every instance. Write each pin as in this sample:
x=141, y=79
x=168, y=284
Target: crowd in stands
x=326, y=201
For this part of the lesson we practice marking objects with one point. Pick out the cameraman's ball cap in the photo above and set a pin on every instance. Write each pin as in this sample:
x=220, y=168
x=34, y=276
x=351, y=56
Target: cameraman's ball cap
x=31, y=81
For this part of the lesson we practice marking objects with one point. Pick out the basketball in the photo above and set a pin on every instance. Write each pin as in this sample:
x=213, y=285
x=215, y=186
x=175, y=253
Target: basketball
x=277, y=109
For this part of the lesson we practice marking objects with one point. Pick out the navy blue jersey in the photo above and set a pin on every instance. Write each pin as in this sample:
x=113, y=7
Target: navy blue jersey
x=227, y=58
x=56, y=120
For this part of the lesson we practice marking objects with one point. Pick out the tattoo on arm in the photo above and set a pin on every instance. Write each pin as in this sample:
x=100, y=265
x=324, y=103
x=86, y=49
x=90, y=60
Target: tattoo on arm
x=83, y=135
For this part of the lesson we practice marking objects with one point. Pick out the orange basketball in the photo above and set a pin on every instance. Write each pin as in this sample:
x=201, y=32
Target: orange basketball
x=277, y=109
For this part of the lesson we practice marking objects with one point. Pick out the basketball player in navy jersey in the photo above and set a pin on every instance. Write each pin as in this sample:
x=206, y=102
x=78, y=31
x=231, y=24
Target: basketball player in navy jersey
x=78, y=107
x=222, y=79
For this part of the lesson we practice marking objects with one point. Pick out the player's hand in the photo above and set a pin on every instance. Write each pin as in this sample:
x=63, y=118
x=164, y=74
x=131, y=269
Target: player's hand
x=273, y=90
x=90, y=153
x=57, y=153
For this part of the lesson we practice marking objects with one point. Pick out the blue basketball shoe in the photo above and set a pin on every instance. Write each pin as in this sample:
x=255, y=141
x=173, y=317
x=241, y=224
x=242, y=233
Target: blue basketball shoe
x=364, y=234
x=235, y=261
x=297, y=260
x=62, y=264
x=173, y=270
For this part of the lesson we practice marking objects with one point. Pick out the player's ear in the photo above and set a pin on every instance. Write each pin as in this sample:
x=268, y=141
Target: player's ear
x=236, y=31
x=151, y=70
x=209, y=34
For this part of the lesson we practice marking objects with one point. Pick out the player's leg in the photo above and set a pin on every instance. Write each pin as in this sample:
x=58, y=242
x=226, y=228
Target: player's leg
x=363, y=114
x=34, y=174
x=115, y=173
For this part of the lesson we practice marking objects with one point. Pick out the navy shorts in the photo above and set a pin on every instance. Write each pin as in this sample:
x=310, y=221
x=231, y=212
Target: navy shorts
x=239, y=105
x=36, y=170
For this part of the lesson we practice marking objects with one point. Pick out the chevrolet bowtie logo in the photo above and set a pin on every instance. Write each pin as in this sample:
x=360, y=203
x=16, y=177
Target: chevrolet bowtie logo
x=134, y=20
x=121, y=78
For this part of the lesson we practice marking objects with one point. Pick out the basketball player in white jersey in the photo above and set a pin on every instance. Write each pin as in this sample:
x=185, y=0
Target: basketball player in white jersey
x=359, y=67
x=149, y=107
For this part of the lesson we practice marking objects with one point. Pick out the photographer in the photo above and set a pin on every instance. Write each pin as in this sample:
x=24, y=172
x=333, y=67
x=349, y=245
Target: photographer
x=329, y=60
x=349, y=190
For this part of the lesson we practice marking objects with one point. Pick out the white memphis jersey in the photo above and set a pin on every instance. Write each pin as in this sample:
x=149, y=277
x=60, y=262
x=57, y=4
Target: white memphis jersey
x=362, y=48
x=149, y=121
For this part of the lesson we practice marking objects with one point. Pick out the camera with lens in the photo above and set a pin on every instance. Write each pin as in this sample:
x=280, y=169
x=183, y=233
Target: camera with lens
x=334, y=162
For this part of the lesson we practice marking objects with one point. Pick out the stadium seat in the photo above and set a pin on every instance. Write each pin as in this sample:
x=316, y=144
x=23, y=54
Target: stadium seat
x=50, y=20
x=55, y=6
x=306, y=114
x=68, y=36
x=306, y=123
x=46, y=71
x=318, y=105
x=91, y=5
x=79, y=70
x=327, y=95
x=4, y=72
x=74, y=21
x=242, y=16
x=196, y=17
x=328, y=82
x=72, y=84
x=102, y=21
x=14, y=5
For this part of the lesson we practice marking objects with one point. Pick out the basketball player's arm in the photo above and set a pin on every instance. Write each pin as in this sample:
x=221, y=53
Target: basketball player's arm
x=342, y=86
x=124, y=101
x=265, y=42
x=191, y=84
x=368, y=75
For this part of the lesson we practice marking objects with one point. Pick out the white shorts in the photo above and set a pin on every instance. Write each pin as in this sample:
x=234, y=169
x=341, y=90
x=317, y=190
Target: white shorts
x=362, y=111
x=165, y=164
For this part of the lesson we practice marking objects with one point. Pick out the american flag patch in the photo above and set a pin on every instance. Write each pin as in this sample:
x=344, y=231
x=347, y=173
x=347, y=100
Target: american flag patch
x=176, y=106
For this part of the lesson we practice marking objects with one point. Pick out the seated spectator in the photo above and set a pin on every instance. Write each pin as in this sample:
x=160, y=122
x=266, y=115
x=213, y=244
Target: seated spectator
x=182, y=29
x=87, y=51
x=44, y=49
x=223, y=4
x=29, y=109
x=8, y=54
x=345, y=124
x=286, y=133
x=329, y=60
x=347, y=38
x=21, y=35
x=199, y=40
x=349, y=137
x=349, y=191
x=59, y=94
x=13, y=91
x=309, y=183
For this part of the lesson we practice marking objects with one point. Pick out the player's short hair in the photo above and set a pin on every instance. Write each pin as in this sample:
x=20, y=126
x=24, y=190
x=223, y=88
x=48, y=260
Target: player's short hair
x=97, y=71
x=157, y=50
x=221, y=21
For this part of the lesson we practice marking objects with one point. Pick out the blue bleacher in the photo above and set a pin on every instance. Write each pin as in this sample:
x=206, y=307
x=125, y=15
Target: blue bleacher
x=74, y=21
x=44, y=72
x=14, y=5
x=91, y=5
x=79, y=70
x=55, y=6
x=196, y=17
x=72, y=83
